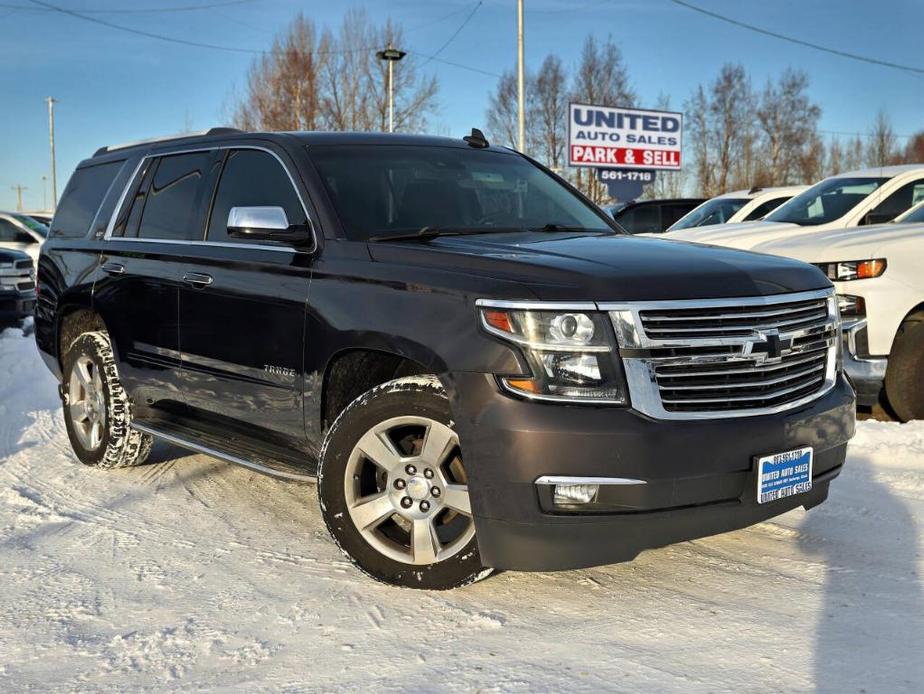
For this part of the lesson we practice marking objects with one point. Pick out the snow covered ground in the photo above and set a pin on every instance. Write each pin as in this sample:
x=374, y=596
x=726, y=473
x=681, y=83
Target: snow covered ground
x=188, y=573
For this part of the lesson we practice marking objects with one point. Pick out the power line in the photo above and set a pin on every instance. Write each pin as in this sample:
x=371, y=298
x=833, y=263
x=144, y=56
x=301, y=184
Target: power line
x=456, y=32
x=171, y=39
x=856, y=134
x=799, y=42
x=234, y=49
x=454, y=64
x=133, y=10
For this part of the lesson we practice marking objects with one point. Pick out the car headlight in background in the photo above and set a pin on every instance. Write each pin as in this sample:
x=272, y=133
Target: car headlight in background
x=846, y=270
x=851, y=306
x=570, y=351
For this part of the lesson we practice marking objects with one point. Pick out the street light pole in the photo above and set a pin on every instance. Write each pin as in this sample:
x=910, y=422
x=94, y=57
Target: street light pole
x=521, y=80
x=19, y=189
x=44, y=193
x=51, y=142
x=391, y=55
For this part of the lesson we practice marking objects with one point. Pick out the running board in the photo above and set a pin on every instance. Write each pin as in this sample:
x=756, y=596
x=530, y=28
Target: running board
x=272, y=468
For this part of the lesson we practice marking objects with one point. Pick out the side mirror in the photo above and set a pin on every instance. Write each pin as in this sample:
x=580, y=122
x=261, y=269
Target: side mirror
x=878, y=218
x=267, y=224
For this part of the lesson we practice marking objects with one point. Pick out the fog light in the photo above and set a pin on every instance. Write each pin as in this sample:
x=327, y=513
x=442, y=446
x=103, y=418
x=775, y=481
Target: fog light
x=568, y=494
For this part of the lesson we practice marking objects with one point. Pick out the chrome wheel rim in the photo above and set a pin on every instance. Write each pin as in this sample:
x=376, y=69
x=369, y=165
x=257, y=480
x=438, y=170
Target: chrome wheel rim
x=406, y=490
x=86, y=403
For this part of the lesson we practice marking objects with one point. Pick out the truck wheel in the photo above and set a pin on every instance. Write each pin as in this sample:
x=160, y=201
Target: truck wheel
x=97, y=412
x=904, y=381
x=393, y=488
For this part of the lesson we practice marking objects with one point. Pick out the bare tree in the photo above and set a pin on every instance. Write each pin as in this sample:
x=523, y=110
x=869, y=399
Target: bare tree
x=881, y=150
x=502, y=111
x=788, y=122
x=914, y=150
x=854, y=154
x=603, y=79
x=333, y=81
x=282, y=85
x=548, y=112
x=698, y=139
x=668, y=184
x=835, y=157
x=731, y=107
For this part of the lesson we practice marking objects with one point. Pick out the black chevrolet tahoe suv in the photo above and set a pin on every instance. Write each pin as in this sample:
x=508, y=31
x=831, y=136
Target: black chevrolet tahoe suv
x=476, y=366
x=17, y=286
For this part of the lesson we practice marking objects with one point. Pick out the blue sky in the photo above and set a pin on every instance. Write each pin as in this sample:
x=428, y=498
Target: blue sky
x=114, y=86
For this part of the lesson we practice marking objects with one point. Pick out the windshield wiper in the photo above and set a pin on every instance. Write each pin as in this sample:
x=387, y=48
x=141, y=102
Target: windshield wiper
x=425, y=233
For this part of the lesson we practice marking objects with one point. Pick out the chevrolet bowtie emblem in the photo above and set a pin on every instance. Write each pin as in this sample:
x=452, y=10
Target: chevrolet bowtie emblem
x=768, y=346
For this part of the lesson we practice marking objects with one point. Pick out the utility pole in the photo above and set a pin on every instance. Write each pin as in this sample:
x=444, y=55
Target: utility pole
x=391, y=55
x=51, y=141
x=44, y=193
x=521, y=80
x=19, y=189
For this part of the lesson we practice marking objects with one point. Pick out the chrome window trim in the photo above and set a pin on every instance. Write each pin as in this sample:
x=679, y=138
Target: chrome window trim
x=205, y=242
x=603, y=481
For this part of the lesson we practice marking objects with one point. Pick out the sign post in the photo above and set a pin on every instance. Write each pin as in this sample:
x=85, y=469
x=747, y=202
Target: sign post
x=627, y=146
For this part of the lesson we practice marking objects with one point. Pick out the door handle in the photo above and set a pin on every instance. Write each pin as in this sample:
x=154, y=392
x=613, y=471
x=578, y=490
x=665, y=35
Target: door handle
x=197, y=279
x=113, y=268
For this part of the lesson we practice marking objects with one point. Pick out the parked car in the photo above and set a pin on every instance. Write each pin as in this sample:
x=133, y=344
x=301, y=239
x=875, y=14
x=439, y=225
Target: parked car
x=856, y=198
x=479, y=368
x=651, y=216
x=19, y=232
x=17, y=286
x=41, y=217
x=737, y=206
x=877, y=273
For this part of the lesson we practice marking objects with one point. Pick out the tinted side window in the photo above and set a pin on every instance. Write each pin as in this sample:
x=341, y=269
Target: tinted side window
x=178, y=198
x=81, y=199
x=252, y=178
x=905, y=197
x=672, y=213
x=10, y=233
x=641, y=220
x=764, y=208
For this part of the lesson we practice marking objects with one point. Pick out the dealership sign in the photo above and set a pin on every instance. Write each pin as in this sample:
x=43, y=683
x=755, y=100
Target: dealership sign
x=624, y=138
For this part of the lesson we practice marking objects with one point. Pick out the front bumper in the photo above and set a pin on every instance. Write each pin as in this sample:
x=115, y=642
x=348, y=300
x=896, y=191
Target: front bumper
x=15, y=305
x=866, y=373
x=699, y=474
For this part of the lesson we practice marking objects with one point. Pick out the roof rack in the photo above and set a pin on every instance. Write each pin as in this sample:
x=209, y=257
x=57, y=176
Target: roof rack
x=166, y=138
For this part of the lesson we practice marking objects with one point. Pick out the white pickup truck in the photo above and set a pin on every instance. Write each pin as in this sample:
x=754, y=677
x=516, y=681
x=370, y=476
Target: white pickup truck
x=736, y=206
x=856, y=198
x=878, y=272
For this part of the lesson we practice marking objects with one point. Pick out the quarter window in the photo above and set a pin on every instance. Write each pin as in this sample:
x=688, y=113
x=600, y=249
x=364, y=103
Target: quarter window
x=252, y=178
x=82, y=198
x=901, y=200
x=176, y=202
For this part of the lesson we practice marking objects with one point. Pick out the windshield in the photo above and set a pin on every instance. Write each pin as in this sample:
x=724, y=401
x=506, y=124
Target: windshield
x=715, y=211
x=826, y=201
x=33, y=224
x=380, y=190
x=913, y=216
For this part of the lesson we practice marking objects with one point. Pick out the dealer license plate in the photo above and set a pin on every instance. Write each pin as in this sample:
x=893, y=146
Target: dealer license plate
x=784, y=474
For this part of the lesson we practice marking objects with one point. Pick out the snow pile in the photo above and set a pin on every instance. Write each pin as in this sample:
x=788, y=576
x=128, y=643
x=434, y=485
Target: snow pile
x=188, y=573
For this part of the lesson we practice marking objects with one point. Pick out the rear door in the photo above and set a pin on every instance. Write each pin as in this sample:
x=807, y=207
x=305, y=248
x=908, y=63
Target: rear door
x=142, y=264
x=242, y=307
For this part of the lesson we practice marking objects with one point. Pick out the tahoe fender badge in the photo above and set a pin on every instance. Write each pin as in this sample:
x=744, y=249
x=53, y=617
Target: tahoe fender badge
x=279, y=371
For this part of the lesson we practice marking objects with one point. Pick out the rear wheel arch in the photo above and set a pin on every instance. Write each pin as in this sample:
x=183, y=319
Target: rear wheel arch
x=74, y=319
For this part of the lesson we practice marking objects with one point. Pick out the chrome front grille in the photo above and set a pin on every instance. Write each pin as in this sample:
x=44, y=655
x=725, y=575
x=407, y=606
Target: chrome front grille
x=728, y=357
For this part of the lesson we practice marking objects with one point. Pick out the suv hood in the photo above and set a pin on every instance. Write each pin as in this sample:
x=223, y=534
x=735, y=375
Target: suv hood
x=744, y=235
x=11, y=255
x=593, y=267
x=855, y=243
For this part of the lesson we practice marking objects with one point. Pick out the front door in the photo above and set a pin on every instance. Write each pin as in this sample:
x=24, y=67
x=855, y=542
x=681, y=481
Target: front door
x=242, y=308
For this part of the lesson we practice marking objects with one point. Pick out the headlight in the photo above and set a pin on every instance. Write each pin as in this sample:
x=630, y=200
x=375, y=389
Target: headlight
x=851, y=306
x=847, y=270
x=570, y=351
